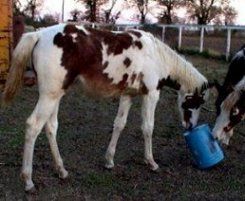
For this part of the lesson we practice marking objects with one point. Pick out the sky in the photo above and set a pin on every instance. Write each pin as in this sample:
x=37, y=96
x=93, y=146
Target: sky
x=55, y=6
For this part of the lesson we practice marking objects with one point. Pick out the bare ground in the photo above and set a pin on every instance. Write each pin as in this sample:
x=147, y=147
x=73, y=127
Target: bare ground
x=83, y=136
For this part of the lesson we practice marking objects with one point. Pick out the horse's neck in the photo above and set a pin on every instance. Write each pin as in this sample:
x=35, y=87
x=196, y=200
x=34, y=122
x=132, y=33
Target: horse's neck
x=181, y=70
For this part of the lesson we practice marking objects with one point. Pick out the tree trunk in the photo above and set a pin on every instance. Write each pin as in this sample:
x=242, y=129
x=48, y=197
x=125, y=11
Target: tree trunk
x=93, y=11
x=169, y=15
x=142, y=19
x=201, y=20
x=107, y=16
x=33, y=9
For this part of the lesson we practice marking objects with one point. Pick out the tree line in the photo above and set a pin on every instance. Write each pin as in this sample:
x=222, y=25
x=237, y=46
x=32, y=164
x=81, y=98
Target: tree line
x=197, y=11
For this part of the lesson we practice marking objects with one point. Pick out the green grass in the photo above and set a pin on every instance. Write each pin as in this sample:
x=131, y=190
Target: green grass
x=207, y=53
x=94, y=179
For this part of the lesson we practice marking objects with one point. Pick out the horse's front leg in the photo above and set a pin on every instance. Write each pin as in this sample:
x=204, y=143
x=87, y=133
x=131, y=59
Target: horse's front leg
x=148, y=110
x=119, y=124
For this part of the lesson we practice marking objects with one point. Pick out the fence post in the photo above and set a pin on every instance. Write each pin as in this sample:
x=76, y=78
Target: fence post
x=63, y=11
x=201, y=39
x=228, y=44
x=180, y=37
x=163, y=34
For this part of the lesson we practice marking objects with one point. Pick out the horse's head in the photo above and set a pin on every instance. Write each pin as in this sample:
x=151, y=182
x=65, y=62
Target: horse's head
x=189, y=106
x=230, y=111
x=230, y=103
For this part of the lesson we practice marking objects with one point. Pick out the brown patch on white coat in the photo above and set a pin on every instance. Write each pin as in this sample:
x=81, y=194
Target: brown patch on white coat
x=91, y=54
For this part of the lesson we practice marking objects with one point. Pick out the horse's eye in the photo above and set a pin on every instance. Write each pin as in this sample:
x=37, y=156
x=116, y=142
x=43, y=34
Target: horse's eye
x=235, y=111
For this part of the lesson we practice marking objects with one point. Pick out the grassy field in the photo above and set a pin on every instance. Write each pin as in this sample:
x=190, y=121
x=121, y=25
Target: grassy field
x=83, y=136
x=213, y=44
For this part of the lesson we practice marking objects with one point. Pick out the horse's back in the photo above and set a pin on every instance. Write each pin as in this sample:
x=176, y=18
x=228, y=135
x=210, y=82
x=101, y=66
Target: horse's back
x=108, y=63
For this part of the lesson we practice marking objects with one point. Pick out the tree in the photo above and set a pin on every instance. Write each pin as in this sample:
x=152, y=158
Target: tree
x=168, y=14
x=94, y=11
x=226, y=17
x=112, y=18
x=108, y=17
x=204, y=11
x=28, y=8
x=17, y=8
x=229, y=14
x=92, y=8
x=75, y=14
x=32, y=8
x=143, y=8
x=49, y=19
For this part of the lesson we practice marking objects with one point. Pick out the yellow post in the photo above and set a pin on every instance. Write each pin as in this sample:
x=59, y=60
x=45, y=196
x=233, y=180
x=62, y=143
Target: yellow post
x=5, y=37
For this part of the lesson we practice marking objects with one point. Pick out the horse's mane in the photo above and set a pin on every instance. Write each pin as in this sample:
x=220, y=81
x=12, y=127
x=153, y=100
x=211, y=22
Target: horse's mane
x=181, y=70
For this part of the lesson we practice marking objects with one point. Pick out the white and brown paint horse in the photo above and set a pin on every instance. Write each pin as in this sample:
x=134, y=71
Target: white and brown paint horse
x=108, y=64
x=230, y=103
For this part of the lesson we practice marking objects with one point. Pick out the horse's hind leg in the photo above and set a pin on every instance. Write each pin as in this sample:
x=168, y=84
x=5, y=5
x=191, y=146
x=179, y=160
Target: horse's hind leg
x=148, y=110
x=51, y=132
x=35, y=123
x=119, y=124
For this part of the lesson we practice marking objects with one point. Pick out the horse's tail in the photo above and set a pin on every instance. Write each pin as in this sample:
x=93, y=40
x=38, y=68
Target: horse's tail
x=21, y=55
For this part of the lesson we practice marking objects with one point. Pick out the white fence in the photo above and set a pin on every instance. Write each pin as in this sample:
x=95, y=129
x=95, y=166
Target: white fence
x=201, y=29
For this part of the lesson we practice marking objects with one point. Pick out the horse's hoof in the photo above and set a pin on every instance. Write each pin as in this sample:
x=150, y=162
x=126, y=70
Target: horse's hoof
x=157, y=170
x=153, y=166
x=63, y=174
x=30, y=190
x=109, y=166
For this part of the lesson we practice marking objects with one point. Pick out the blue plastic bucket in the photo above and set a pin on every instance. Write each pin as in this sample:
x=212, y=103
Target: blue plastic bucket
x=203, y=147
